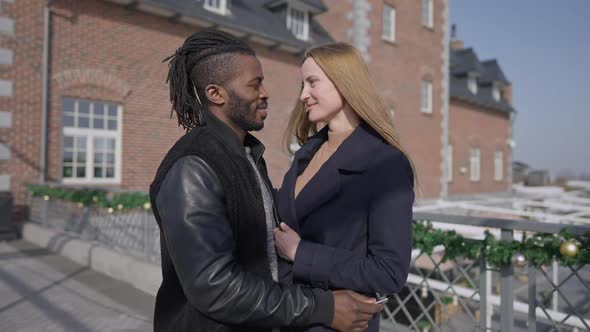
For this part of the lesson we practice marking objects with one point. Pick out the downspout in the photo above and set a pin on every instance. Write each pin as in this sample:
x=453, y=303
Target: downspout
x=445, y=95
x=44, y=92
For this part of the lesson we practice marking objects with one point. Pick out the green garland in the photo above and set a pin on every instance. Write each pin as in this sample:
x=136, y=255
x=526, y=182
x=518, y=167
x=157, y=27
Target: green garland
x=93, y=197
x=539, y=249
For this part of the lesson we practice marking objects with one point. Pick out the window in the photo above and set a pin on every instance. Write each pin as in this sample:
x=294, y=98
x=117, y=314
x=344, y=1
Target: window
x=427, y=13
x=496, y=91
x=498, y=165
x=298, y=22
x=474, y=164
x=91, y=146
x=449, y=163
x=388, y=23
x=217, y=6
x=472, y=83
x=426, y=97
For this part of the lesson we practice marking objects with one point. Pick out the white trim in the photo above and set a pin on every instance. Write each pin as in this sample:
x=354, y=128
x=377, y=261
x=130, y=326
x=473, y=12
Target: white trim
x=6, y=57
x=449, y=159
x=90, y=134
x=5, y=119
x=496, y=93
x=498, y=165
x=472, y=83
x=429, y=21
x=4, y=182
x=221, y=9
x=5, y=151
x=294, y=6
x=5, y=88
x=388, y=32
x=426, y=97
x=475, y=164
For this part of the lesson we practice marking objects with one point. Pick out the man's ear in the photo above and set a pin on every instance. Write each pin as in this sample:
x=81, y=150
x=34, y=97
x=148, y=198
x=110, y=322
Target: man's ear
x=216, y=94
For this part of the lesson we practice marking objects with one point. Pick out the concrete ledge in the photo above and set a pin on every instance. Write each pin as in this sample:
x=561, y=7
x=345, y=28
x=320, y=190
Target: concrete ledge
x=5, y=88
x=4, y=182
x=141, y=275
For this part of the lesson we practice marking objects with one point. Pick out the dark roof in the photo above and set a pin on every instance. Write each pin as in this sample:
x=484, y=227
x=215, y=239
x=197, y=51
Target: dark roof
x=493, y=72
x=251, y=17
x=464, y=62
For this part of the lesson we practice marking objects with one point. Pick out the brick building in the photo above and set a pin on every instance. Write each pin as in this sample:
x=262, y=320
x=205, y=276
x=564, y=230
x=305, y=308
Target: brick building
x=480, y=123
x=83, y=99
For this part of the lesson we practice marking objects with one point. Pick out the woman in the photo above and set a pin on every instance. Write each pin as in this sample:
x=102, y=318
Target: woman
x=346, y=201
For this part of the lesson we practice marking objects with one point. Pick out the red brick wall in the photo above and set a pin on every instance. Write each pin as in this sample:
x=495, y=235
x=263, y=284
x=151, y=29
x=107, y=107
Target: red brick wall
x=398, y=69
x=472, y=126
x=25, y=104
x=124, y=48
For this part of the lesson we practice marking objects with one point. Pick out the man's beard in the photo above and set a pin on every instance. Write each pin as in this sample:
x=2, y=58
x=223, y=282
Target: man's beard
x=241, y=115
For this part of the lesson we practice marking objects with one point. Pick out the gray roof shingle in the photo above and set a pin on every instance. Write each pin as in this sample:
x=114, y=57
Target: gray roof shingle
x=465, y=61
x=248, y=16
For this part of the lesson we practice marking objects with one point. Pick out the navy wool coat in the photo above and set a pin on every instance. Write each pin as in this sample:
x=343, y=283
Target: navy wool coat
x=354, y=216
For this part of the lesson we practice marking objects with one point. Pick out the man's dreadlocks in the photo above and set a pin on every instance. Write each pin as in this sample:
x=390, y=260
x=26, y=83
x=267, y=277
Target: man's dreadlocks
x=206, y=57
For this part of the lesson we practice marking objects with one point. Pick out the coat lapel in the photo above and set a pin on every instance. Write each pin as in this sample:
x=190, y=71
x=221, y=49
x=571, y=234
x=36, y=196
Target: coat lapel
x=352, y=156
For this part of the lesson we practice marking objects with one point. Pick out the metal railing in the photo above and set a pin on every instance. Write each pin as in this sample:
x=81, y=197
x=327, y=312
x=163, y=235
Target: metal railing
x=132, y=231
x=452, y=295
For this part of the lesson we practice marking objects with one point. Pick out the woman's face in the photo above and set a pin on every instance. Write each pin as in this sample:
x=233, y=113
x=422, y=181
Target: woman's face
x=322, y=100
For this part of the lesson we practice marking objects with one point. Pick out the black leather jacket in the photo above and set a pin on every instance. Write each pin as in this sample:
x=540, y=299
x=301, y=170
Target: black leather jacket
x=198, y=247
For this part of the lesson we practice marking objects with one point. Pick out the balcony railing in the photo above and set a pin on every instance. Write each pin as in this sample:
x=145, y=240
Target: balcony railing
x=458, y=294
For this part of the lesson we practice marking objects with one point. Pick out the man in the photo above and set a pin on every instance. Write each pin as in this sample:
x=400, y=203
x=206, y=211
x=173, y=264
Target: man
x=213, y=203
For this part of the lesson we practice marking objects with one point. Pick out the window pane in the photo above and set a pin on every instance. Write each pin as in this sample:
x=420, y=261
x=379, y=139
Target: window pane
x=80, y=172
x=110, y=158
x=83, y=122
x=83, y=107
x=98, y=158
x=68, y=157
x=112, y=110
x=110, y=144
x=67, y=121
x=98, y=123
x=110, y=172
x=81, y=144
x=81, y=157
x=67, y=172
x=99, y=144
x=67, y=105
x=98, y=109
x=68, y=142
x=112, y=125
x=98, y=172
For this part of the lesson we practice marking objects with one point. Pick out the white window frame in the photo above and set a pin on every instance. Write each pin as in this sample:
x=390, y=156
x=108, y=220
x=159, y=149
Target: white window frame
x=496, y=93
x=292, y=7
x=428, y=13
x=475, y=164
x=498, y=165
x=449, y=160
x=472, y=83
x=426, y=97
x=221, y=8
x=389, y=14
x=90, y=135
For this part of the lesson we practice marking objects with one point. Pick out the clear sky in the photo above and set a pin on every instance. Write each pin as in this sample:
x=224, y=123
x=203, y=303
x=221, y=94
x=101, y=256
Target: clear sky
x=543, y=48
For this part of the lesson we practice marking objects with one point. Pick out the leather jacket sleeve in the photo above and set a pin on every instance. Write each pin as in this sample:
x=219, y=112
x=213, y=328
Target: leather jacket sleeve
x=199, y=239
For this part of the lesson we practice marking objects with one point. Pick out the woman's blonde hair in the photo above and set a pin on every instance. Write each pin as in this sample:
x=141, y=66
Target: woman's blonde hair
x=345, y=67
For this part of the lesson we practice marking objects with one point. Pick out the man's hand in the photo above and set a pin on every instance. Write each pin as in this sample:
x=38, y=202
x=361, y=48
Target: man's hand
x=353, y=311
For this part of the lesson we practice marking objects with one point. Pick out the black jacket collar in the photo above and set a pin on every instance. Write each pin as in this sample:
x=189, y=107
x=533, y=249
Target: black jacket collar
x=231, y=139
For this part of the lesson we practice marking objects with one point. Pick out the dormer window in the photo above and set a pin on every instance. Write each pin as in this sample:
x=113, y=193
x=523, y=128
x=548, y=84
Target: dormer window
x=472, y=83
x=298, y=22
x=217, y=6
x=496, y=93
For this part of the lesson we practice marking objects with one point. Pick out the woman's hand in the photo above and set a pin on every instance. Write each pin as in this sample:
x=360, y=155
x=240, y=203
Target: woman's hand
x=286, y=241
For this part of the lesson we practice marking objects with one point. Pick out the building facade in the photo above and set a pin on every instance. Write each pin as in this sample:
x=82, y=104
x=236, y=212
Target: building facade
x=83, y=98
